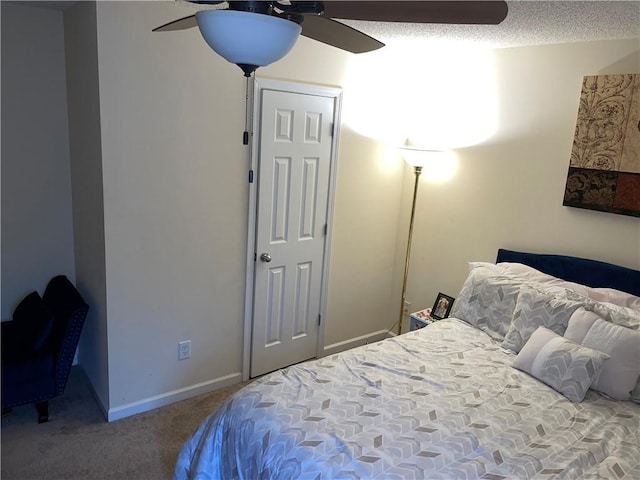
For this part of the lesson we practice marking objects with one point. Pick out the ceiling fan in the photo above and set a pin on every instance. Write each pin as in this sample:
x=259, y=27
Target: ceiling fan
x=253, y=34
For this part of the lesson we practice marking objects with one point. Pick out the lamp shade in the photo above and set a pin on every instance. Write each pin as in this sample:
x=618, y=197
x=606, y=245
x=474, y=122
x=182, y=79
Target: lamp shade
x=247, y=38
x=418, y=157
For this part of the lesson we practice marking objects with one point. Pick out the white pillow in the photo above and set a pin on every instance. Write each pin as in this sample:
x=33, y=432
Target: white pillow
x=489, y=265
x=565, y=366
x=620, y=373
x=608, y=295
x=616, y=297
x=536, y=276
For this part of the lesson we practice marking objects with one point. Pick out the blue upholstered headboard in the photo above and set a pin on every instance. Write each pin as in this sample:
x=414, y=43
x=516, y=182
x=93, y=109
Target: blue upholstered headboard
x=591, y=273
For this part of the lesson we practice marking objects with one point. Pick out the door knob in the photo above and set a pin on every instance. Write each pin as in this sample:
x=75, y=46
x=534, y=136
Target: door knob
x=265, y=257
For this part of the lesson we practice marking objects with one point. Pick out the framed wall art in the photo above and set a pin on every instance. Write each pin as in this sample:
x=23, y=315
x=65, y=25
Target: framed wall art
x=604, y=169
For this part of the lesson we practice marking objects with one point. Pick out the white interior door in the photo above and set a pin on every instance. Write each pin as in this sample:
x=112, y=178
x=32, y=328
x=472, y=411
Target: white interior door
x=293, y=186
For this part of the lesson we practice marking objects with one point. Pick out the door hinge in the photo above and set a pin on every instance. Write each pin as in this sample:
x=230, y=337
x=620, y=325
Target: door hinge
x=319, y=319
x=332, y=129
x=325, y=229
x=250, y=176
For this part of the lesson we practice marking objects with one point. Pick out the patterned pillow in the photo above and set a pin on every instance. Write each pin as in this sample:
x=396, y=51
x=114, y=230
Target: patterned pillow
x=620, y=374
x=487, y=301
x=624, y=316
x=535, y=309
x=565, y=366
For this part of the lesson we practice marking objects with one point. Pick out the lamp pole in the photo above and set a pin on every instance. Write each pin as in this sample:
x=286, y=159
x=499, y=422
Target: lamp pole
x=417, y=171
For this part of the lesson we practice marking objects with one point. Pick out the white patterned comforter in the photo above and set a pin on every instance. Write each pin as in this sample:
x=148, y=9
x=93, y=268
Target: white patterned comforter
x=441, y=402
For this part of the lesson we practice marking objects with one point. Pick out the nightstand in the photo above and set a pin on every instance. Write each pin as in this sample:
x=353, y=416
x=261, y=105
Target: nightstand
x=420, y=319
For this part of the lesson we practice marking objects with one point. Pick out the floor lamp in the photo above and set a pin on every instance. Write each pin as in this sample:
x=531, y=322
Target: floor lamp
x=416, y=158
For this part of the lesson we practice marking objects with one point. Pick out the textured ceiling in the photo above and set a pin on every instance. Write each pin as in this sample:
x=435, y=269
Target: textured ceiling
x=529, y=22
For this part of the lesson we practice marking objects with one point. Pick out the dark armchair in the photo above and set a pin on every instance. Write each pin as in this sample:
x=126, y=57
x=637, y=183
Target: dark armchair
x=39, y=344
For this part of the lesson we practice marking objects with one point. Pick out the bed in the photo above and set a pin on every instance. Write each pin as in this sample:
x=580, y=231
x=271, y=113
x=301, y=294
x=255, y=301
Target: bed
x=534, y=375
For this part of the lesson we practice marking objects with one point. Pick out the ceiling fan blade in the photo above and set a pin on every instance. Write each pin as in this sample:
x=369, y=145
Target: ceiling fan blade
x=449, y=12
x=338, y=35
x=180, y=24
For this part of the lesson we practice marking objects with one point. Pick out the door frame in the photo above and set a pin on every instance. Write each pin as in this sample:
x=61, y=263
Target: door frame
x=260, y=84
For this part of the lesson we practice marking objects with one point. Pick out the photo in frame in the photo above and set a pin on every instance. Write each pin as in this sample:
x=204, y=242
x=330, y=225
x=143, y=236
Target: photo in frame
x=442, y=306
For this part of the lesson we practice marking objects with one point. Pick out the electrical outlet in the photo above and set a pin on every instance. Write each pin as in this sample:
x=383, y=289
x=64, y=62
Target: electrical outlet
x=407, y=306
x=184, y=350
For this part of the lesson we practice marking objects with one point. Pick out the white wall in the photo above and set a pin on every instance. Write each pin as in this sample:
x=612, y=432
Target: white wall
x=508, y=191
x=88, y=204
x=175, y=205
x=176, y=201
x=37, y=234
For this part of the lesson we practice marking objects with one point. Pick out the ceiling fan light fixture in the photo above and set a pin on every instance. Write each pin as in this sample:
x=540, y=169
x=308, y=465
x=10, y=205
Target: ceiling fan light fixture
x=247, y=39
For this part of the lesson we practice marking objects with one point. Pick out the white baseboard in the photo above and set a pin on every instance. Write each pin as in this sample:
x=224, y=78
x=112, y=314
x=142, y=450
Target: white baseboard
x=356, y=342
x=173, y=396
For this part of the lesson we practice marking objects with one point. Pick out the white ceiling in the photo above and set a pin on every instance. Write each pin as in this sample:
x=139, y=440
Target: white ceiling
x=529, y=22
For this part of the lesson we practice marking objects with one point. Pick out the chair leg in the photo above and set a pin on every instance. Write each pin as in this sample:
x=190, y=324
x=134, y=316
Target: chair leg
x=43, y=411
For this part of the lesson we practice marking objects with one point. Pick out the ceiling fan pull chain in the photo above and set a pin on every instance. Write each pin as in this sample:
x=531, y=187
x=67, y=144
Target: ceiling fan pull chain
x=245, y=135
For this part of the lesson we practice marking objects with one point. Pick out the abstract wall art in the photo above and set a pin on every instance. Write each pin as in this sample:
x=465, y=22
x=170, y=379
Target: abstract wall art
x=604, y=169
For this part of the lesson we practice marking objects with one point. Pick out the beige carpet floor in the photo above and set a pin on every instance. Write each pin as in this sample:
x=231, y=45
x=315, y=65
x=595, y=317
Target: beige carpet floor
x=78, y=443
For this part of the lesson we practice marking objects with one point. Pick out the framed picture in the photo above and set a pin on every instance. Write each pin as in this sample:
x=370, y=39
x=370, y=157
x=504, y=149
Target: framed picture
x=442, y=306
